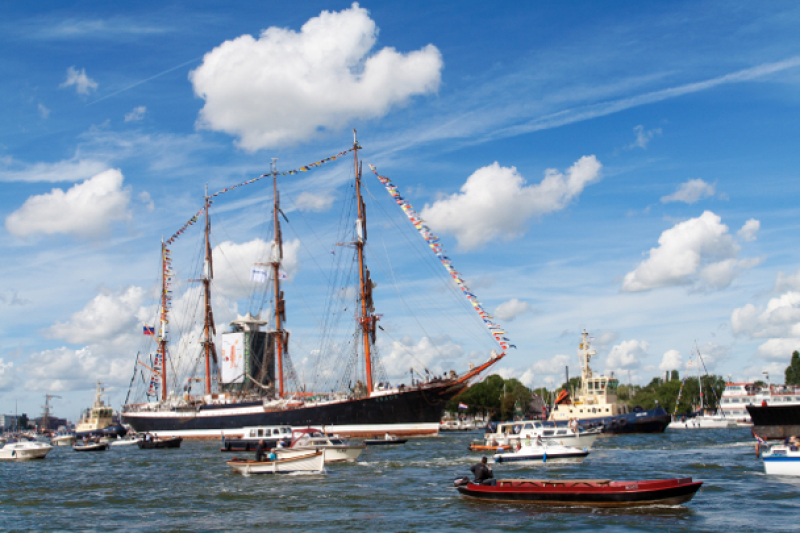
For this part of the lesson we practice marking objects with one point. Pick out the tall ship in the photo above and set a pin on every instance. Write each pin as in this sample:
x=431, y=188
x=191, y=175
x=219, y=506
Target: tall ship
x=596, y=403
x=252, y=381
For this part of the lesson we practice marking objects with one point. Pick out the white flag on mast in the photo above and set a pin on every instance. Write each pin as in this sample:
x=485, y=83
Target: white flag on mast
x=259, y=275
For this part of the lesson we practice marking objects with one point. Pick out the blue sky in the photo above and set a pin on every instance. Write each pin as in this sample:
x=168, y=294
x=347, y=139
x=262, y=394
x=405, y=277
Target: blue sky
x=628, y=169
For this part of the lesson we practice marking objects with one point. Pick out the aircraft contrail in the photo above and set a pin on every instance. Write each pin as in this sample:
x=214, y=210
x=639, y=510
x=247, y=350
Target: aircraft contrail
x=144, y=81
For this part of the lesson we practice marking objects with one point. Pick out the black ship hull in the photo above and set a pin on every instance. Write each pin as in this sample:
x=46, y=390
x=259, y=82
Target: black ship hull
x=414, y=411
x=775, y=421
x=652, y=421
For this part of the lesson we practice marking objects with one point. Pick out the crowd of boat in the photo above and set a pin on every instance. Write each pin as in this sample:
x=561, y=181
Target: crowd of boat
x=575, y=424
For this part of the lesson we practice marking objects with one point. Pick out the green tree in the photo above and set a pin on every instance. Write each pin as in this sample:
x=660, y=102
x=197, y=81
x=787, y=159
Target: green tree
x=674, y=376
x=793, y=370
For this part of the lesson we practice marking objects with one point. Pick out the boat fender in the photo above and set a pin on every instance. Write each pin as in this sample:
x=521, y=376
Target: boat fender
x=544, y=457
x=758, y=449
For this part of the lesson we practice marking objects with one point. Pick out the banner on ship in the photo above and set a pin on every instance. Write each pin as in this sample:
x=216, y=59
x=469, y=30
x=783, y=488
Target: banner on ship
x=232, y=366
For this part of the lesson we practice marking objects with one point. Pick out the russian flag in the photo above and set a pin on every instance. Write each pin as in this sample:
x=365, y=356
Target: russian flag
x=149, y=330
x=462, y=405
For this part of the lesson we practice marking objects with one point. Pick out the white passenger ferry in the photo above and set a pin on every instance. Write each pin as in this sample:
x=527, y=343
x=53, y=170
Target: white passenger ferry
x=737, y=396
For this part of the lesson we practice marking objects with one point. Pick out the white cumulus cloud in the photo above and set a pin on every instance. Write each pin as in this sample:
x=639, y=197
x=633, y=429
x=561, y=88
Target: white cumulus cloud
x=7, y=374
x=307, y=201
x=779, y=350
x=107, y=315
x=690, y=192
x=511, y=309
x=137, y=113
x=83, y=83
x=671, y=360
x=433, y=354
x=627, y=354
x=779, y=318
x=284, y=86
x=749, y=231
x=65, y=369
x=85, y=210
x=698, y=252
x=43, y=111
x=495, y=201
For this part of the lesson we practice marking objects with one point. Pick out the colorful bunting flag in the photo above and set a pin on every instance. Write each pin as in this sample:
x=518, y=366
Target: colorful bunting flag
x=436, y=246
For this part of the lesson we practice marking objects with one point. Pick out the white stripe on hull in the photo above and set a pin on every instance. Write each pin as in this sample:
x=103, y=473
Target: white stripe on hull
x=428, y=429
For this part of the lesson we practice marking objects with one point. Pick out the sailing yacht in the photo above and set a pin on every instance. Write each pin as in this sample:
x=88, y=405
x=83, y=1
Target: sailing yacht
x=254, y=383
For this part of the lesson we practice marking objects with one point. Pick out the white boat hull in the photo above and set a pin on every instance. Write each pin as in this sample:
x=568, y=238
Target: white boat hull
x=337, y=454
x=783, y=467
x=539, y=454
x=782, y=460
x=62, y=441
x=308, y=462
x=24, y=451
x=702, y=423
x=125, y=442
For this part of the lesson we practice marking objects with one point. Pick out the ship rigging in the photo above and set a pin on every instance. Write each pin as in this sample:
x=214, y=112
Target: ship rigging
x=254, y=381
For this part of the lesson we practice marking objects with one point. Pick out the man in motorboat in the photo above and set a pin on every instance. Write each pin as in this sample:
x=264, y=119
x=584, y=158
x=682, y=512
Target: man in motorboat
x=260, y=451
x=483, y=473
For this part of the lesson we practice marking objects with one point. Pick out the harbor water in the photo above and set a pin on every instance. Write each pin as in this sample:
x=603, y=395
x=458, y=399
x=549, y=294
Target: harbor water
x=392, y=488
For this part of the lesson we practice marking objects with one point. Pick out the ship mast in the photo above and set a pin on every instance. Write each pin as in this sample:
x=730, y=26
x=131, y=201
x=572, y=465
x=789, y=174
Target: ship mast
x=208, y=323
x=277, y=257
x=162, y=339
x=366, y=319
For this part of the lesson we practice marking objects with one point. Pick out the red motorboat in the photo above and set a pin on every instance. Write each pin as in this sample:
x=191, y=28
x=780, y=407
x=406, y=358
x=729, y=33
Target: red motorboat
x=584, y=492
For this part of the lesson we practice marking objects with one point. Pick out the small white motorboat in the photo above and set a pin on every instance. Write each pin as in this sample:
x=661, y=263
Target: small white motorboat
x=336, y=449
x=309, y=461
x=525, y=432
x=130, y=440
x=702, y=422
x=90, y=447
x=24, y=450
x=548, y=450
x=63, y=439
x=782, y=460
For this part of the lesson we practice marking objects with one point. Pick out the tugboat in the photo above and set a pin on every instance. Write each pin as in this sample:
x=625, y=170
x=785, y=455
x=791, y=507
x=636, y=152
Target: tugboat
x=596, y=404
x=99, y=420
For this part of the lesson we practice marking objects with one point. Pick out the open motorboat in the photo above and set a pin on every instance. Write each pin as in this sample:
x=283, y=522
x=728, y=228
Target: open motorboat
x=130, y=440
x=285, y=463
x=543, y=452
x=510, y=434
x=90, y=446
x=387, y=440
x=583, y=492
x=150, y=442
x=335, y=448
x=23, y=450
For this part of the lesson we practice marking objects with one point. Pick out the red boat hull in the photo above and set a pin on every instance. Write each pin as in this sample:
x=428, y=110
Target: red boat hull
x=590, y=492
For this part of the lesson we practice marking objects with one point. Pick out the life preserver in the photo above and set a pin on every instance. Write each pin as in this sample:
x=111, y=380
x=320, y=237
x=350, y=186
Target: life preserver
x=623, y=422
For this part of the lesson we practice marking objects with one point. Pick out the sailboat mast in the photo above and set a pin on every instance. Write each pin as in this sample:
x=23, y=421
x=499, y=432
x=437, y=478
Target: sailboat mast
x=162, y=341
x=207, y=276
x=277, y=257
x=366, y=319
